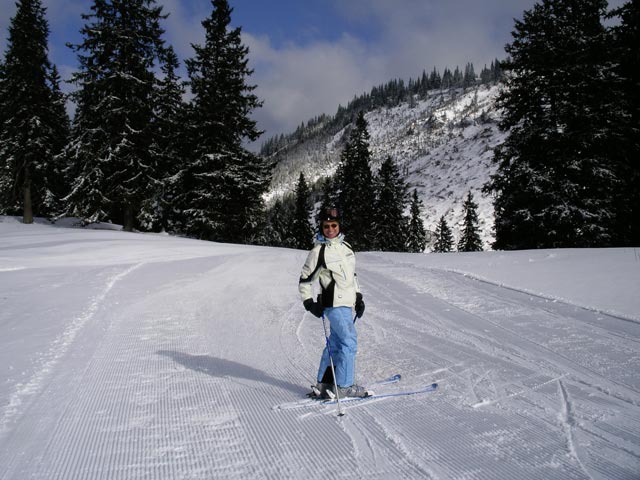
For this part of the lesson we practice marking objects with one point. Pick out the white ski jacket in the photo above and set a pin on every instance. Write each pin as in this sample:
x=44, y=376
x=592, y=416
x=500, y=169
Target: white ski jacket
x=333, y=263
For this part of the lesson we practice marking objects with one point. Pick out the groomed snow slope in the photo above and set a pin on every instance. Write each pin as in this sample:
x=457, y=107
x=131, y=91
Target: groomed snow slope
x=130, y=356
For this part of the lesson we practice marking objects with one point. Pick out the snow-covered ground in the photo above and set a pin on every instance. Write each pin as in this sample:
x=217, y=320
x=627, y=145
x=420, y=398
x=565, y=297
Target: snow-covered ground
x=129, y=356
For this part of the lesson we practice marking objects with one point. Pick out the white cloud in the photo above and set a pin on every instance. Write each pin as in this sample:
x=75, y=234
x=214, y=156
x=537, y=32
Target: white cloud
x=184, y=25
x=299, y=83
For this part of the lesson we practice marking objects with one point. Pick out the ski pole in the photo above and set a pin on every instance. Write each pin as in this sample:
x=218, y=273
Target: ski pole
x=333, y=370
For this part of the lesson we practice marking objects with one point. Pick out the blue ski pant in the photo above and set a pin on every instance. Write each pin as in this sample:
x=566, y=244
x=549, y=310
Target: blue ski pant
x=343, y=342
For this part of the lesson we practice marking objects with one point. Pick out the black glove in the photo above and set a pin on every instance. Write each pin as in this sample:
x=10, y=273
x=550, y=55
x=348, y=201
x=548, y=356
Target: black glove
x=359, y=305
x=314, y=307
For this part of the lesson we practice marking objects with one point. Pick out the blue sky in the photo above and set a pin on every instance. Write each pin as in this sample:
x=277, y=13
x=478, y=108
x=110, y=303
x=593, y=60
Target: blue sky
x=309, y=56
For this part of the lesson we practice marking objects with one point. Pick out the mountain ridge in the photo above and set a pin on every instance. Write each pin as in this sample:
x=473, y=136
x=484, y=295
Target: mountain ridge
x=443, y=145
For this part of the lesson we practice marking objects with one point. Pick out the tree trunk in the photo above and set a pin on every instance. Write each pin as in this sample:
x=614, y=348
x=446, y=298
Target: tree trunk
x=27, y=216
x=128, y=218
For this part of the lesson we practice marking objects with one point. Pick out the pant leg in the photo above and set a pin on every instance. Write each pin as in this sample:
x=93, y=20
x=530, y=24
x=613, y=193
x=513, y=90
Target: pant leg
x=344, y=344
x=325, y=364
x=325, y=360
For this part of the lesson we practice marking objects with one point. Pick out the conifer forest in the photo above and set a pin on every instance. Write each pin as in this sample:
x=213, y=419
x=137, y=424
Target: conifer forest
x=151, y=151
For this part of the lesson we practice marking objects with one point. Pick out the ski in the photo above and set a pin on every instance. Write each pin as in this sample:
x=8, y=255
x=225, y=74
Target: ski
x=315, y=393
x=377, y=396
x=317, y=401
x=350, y=400
x=392, y=379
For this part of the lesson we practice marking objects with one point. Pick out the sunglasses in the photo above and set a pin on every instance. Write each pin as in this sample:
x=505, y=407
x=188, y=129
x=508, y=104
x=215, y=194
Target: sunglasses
x=327, y=226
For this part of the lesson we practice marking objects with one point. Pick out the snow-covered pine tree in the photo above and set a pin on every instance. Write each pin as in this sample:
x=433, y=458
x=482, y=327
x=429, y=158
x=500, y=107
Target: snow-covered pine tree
x=555, y=182
x=2, y=114
x=277, y=233
x=416, y=234
x=110, y=153
x=496, y=70
x=169, y=148
x=492, y=74
x=447, y=79
x=301, y=229
x=470, y=236
x=458, y=78
x=444, y=237
x=329, y=196
x=57, y=182
x=223, y=183
x=435, y=80
x=34, y=123
x=355, y=187
x=389, y=224
x=626, y=69
x=469, y=79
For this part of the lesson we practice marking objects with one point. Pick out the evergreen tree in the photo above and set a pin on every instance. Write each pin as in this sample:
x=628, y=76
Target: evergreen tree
x=486, y=75
x=493, y=74
x=444, y=237
x=435, y=81
x=469, y=78
x=302, y=231
x=2, y=86
x=110, y=152
x=458, y=78
x=470, y=238
x=554, y=181
x=355, y=187
x=447, y=79
x=57, y=182
x=329, y=196
x=34, y=124
x=390, y=224
x=625, y=148
x=416, y=235
x=496, y=69
x=223, y=183
x=169, y=148
x=424, y=85
x=277, y=232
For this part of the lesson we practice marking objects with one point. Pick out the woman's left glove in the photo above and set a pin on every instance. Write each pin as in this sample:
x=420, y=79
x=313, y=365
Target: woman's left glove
x=314, y=307
x=359, y=305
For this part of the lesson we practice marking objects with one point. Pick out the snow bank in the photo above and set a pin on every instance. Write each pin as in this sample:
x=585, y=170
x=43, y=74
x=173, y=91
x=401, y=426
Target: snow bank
x=605, y=280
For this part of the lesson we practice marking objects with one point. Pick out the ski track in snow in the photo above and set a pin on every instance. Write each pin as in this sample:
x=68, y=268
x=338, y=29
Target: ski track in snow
x=567, y=420
x=539, y=295
x=59, y=347
x=173, y=369
x=546, y=362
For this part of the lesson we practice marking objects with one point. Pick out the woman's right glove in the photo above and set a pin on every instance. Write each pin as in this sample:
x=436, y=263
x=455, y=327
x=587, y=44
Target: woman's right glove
x=314, y=307
x=359, y=305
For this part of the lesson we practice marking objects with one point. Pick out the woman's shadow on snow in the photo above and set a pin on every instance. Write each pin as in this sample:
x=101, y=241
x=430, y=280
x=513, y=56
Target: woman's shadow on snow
x=220, y=368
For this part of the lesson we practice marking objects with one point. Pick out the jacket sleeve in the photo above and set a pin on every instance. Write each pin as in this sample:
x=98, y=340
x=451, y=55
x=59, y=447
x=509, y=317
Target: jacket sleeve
x=309, y=274
x=356, y=284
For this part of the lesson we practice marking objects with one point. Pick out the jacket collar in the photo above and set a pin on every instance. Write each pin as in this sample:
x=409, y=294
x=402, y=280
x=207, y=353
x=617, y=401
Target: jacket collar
x=322, y=240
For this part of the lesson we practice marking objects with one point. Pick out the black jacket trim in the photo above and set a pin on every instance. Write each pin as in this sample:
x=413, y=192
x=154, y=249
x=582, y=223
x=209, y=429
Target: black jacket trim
x=321, y=264
x=326, y=297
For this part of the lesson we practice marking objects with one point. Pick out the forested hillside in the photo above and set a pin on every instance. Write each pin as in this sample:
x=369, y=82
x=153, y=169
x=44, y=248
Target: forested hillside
x=442, y=143
x=551, y=134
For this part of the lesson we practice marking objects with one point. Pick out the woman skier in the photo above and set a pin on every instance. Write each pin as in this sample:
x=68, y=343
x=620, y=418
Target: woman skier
x=332, y=262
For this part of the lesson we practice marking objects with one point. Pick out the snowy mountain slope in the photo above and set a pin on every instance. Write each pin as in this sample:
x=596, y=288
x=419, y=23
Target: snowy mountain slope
x=146, y=356
x=443, y=145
